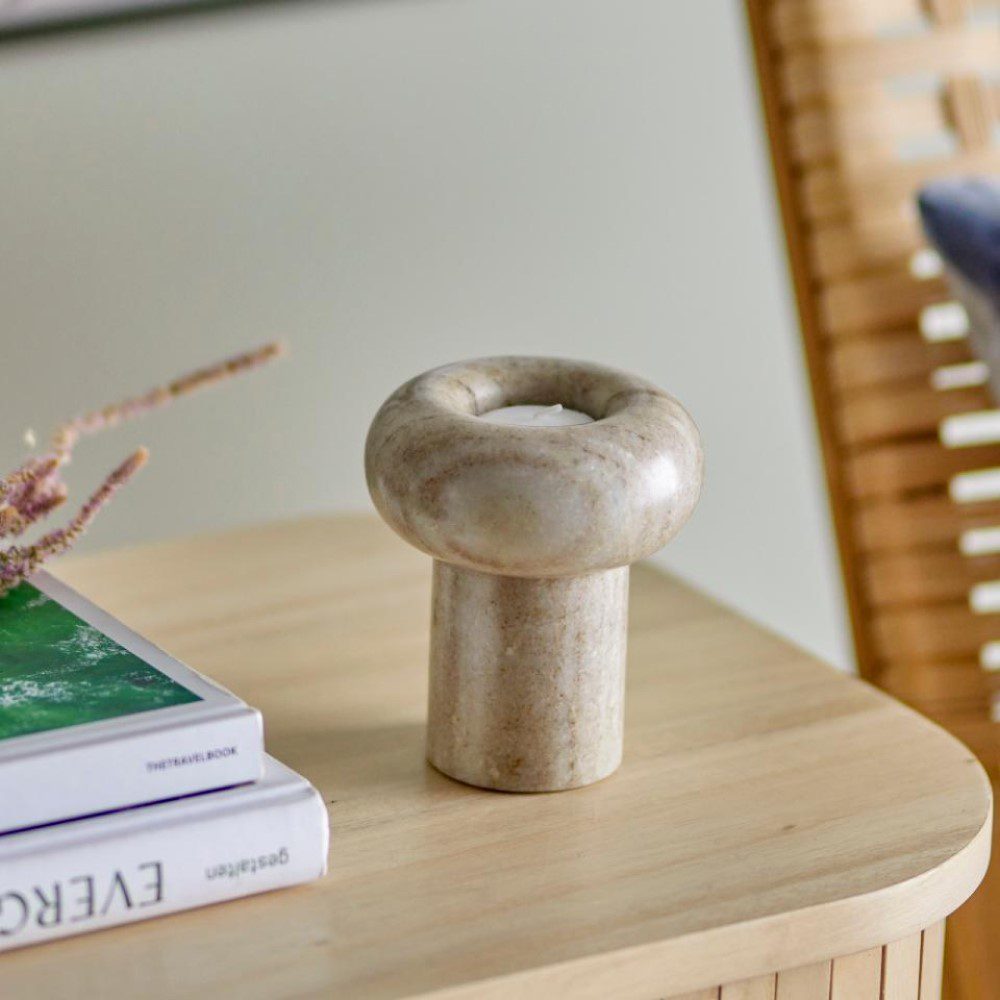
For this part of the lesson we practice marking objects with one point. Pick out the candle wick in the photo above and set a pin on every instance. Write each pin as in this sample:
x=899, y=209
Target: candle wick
x=556, y=408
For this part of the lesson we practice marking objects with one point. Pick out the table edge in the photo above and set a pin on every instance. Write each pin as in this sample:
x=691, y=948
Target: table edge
x=785, y=940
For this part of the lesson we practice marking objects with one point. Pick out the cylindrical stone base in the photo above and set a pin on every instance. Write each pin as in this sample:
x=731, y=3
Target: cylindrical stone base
x=527, y=678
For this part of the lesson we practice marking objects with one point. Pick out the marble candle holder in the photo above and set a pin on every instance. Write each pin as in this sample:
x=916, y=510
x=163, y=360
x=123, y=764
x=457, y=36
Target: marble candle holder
x=532, y=529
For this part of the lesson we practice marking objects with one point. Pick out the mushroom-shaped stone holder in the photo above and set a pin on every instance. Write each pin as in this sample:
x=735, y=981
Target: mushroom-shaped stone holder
x=532, y=530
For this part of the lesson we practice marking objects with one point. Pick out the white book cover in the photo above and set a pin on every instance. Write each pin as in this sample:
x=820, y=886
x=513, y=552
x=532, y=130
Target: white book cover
x=93, y=717
x=86, y=874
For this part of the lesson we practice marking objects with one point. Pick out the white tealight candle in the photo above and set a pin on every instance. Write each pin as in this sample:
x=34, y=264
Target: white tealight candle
x=531, y=415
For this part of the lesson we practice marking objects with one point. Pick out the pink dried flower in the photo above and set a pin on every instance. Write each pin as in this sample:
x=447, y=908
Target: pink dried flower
x=35, y=489
x=20, y=561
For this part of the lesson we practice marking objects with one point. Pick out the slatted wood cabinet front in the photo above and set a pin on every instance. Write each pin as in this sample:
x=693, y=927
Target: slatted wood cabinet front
x=903, y=970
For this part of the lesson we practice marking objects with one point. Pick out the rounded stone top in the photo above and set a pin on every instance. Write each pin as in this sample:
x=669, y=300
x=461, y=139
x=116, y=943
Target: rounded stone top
x=533, y=501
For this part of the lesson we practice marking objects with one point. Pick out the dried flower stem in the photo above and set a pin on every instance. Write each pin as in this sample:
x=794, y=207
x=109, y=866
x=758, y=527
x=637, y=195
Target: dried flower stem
x=19, y=561
x=36, y=488
x=110, y=416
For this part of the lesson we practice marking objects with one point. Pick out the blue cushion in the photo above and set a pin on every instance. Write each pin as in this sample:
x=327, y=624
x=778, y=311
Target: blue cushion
x=961, y=217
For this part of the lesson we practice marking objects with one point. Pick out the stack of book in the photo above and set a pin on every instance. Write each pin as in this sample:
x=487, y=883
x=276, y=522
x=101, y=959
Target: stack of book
x=130, y=786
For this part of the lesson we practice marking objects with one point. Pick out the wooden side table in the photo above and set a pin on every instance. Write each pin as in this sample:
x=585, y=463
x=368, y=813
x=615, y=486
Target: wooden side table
x=777, y=830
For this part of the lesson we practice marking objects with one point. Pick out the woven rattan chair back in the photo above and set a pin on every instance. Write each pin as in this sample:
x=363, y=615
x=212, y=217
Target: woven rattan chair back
x=865, y=101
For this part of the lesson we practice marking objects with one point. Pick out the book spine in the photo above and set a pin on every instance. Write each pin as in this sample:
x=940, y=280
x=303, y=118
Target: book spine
x=183, y=863
x=132, y=769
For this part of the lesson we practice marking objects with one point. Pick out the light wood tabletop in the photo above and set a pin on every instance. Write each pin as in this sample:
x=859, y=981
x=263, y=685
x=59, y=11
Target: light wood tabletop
x=771, y=814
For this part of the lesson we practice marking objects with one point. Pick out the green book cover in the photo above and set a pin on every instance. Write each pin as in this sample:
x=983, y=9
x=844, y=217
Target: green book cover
x=56, y=670
x=93, y=717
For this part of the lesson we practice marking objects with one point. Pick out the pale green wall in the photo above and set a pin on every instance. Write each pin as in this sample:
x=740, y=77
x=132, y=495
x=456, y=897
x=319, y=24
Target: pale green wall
x=393, y=184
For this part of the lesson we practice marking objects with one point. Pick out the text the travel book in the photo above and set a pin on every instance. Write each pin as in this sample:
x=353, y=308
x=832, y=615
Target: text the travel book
x=93, y=717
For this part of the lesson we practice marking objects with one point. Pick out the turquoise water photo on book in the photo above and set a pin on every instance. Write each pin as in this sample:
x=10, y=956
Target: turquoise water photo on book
x=56, y=670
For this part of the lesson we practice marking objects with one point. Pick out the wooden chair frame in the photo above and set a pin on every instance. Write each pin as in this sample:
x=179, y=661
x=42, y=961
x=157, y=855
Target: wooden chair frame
x=864, y=101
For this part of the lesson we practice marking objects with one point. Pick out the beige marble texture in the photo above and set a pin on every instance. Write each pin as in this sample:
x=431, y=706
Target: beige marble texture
x=532, y=530
x=527, y=684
